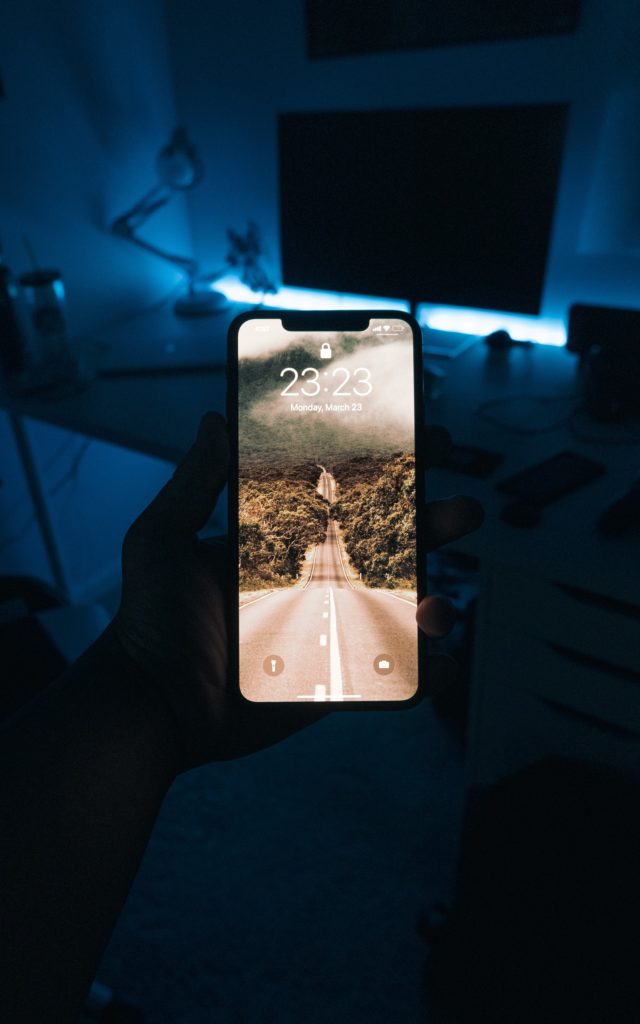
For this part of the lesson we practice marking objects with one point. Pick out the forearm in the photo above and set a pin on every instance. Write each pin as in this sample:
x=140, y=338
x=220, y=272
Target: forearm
x=84, y=772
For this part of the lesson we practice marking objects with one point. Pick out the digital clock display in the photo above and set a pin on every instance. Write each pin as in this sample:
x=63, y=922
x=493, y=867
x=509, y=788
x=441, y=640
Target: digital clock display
x=326, y=513
x=311, y=385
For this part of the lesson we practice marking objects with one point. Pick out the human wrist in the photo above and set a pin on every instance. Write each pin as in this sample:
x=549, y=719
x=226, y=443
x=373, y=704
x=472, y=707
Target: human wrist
x=125, y=696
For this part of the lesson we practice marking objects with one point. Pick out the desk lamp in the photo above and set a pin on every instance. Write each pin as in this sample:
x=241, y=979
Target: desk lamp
x=180, y=168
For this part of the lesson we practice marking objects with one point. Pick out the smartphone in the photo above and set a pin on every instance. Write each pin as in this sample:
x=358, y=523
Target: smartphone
x=326, y=497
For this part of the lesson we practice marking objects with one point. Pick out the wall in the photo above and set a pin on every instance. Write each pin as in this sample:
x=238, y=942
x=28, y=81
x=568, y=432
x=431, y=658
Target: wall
x=90, y=99
x=237, y=65
x=88, y=103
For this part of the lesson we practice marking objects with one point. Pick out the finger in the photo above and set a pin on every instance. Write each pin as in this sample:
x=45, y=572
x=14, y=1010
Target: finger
x=257, y=726
x=437, y=445
x=185, y=503
x=436, y=617
x=442, y=673
x=214, y=553
x=450, y=519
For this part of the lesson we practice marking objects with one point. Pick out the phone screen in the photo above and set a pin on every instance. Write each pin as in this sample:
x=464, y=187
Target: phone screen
x=328, y=568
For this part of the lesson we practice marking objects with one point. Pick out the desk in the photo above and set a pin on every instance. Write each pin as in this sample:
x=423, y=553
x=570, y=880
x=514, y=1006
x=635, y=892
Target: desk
x=154, y=414
x=558, y=619
x=567, y=530
x=557, y=648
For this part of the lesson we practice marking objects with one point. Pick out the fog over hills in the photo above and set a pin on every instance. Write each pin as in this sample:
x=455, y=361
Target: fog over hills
x=269, y=429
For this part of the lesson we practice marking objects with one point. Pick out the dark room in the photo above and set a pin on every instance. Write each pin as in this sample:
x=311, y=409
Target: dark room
x=320, y=384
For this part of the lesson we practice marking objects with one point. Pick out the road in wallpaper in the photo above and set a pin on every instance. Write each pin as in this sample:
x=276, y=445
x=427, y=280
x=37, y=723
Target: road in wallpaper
x=326, y=513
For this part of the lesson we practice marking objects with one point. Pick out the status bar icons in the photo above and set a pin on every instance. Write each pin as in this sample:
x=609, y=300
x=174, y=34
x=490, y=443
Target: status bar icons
x=392, y=330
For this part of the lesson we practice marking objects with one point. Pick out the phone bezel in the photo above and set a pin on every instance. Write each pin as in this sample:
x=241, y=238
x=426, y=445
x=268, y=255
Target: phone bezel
x=332, y=320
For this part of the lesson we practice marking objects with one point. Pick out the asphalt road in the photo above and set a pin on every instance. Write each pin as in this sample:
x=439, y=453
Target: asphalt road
x=328, y=641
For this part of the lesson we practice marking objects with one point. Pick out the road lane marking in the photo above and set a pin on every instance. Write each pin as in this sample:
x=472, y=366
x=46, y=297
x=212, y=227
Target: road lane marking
x=255, y=600
x=325, y=615
x=335, y=669
x=323, y=639
x=339, y=547
x=320, y=693
x=396, y=597
x=313, y=565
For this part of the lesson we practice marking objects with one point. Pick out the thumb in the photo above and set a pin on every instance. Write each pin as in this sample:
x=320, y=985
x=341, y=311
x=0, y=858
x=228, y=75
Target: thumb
x=185, y=503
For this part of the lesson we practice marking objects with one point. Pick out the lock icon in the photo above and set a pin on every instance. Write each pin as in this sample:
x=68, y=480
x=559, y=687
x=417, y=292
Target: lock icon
x=325, y=350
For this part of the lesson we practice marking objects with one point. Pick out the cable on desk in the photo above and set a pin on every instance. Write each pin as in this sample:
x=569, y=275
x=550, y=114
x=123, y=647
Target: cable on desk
x=630, y=435
x=20, y=534
x=94, y=337
x=569, y=419
x=70, y=476
x=484, y=412
x=59, y=453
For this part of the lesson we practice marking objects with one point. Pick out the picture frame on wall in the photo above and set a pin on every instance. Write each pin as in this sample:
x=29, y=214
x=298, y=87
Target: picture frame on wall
x=339, y=29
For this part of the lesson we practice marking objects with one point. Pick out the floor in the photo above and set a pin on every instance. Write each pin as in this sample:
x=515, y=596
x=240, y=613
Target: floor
x=286, y=887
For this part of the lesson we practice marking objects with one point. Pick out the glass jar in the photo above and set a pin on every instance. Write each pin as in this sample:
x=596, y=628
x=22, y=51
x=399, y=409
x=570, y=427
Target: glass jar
x=50, y=363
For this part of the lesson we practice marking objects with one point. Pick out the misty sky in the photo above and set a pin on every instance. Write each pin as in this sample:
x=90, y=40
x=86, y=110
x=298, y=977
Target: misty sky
x=384, y=424
x=253, y=344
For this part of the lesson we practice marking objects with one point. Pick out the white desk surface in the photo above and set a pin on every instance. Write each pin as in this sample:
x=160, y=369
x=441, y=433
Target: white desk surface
x=159, y=415
x=565, y=545
x=152, y=412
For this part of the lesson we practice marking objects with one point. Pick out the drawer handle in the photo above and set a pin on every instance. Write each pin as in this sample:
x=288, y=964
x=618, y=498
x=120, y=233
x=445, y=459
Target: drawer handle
x=579, y=658
x=585, y=716
x=611, y=604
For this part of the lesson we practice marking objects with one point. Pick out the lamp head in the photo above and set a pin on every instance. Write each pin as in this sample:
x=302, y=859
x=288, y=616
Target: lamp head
x=178, y=165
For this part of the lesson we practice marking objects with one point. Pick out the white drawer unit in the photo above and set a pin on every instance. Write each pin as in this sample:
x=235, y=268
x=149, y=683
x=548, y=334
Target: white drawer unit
x=514, y=728
x=593, y=686
x=572, y=617
x=557, y=671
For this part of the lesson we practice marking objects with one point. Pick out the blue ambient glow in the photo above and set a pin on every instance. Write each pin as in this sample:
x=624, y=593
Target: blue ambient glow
x=304, y=298
x=479, y=321
x=545, y=331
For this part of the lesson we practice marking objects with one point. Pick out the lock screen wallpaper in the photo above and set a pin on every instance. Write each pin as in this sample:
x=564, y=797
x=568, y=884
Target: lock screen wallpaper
x=327, y=535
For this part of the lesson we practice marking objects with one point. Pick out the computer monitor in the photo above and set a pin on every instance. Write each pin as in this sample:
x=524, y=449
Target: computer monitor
x=450, y=206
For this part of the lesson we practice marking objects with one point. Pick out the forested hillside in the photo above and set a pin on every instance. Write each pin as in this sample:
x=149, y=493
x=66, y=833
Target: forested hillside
x=281, y=515
x=376, y=511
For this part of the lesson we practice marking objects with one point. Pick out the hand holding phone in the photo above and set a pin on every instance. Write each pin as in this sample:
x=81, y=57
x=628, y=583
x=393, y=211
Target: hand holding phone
x=171, y=622
x=325, y=411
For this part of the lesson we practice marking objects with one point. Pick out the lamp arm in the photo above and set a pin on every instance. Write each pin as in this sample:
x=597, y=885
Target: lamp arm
x=183, y=262
x=126, y=225
x=134, y=218
x=206, y=278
